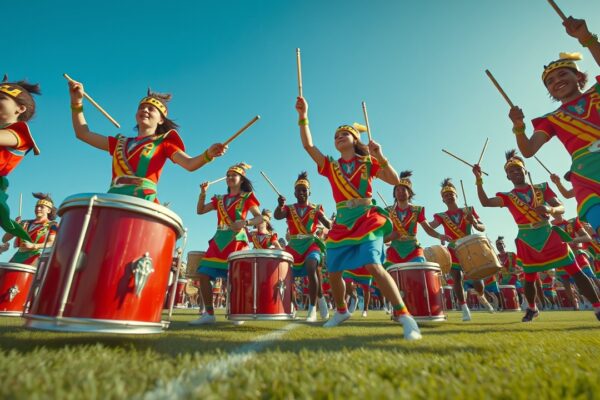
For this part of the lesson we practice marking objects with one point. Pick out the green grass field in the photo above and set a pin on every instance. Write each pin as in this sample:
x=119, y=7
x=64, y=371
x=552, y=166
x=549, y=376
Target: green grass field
x=493, y=356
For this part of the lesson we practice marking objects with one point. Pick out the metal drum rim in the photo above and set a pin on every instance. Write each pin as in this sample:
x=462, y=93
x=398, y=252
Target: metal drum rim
x=18, y=267
x=121, y=202
x=415, y=266
x=507, y=287
x=261, y=253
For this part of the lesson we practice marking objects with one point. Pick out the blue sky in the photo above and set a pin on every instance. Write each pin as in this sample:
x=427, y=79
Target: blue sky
x=419, y=65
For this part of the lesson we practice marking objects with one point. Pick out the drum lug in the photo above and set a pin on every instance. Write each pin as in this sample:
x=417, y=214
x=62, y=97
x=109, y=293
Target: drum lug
x=142, y=270
x=12, y=293
x=281, y=287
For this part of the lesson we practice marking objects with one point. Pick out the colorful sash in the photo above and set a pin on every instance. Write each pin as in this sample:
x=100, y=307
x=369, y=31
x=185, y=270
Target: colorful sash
x=344, y=184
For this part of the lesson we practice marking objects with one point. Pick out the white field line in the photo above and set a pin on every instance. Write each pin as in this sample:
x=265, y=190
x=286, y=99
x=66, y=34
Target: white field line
x=183, y=386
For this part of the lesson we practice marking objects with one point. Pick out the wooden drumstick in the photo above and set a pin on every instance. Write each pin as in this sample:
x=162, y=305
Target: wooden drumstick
x=20, y=204
x=383, y=200
x=299, y=68
x=364, y=107
x=238, y=133
x=461, y=160
x=462, y=187
x=217, y=180
x=534, y=200
x=483, y=151
x=270, y=183
x=558, y=10
x=107, y=115
x=502, y=92
x=542, y=164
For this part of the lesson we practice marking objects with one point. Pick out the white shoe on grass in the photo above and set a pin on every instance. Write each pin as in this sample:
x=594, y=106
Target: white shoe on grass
x=238, y=323
x=337, y=319
x=205, y=319
x=312, y=314
x=466, y=313
x=364, y=314
x=352, y=305
x=411, y=329
x=323, y=310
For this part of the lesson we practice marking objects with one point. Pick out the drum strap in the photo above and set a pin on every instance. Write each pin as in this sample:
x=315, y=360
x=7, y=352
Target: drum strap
x=524, y=208
x=345, y=185
x=223, y=215
x=302, y=228
x=454, y=227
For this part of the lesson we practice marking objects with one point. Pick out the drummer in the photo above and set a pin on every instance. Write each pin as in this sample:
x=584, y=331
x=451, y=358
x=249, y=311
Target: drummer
x=42, y=230
x=17, y=107
x=303, y=220
x=138, y=161
x=356, y=238
x=511, y=273
x=231, y=235
x=264, y=237
x=539, y=246
x=458, y=223
x=404, y=246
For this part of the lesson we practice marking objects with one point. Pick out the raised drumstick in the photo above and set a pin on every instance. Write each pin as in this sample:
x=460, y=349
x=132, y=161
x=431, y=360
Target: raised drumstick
x=299, y=67
x=364, y=107
x=107, y=115
x=382, y=199
x=270, y=183
x=20, y=204
x=217, y=180
x=461, y=160
x=462, y=187
x=557, y=9
x=483, y=151
x=238, y=133
x=542, y=164
x=534, y=200
x=502, y=92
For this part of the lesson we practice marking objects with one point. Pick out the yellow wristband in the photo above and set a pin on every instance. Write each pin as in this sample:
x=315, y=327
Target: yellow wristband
x=479, y=181
x=77, y=108
x=303, y=122
x=519, y=131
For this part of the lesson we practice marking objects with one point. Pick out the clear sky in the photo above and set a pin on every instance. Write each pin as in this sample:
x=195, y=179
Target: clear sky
x=419, y=65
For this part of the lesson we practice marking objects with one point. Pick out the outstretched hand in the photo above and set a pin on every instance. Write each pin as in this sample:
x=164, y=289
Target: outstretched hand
x=217, y=150
x=477, y=171
x=301, y=107
x=577, y=28
x=516, y=116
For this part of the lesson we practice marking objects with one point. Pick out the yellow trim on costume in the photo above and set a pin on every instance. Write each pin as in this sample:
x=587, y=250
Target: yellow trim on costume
x=14, y=92
x=44, y=202
x=156, y=103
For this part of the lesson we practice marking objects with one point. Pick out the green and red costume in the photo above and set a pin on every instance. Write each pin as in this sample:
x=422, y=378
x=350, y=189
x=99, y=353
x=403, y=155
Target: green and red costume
x=39, y=233
x=456, y=227
x=405, y=247
x=302, y=222
x=230, y=208
x=138, y=162
x=510, y=272
x=540, y=246
x=594, y=250
x=577, y=126
x=262, y=241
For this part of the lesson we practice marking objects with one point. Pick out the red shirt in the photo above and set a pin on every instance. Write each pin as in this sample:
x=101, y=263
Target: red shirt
x=346, y=177
x=10, y=157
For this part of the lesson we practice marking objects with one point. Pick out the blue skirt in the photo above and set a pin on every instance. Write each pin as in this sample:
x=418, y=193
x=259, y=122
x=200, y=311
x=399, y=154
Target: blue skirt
x=355, y=256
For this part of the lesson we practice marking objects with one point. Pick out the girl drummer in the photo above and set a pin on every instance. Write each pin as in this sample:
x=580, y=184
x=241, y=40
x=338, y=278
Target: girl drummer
x=406, y=217
x=458, y=223
x=42, y=231
x=231, y=234
x=138, y=161
x=356, y=238
x=264, y=237
x=17, y=107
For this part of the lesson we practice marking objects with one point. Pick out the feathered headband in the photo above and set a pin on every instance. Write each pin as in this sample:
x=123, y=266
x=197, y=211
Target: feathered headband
x=405, y=179
x=43, y=200
x=512, y=160
x=302, y=180
x=154, y=100
x=566, y=60
x=447, y=186
x=239, y=168
x=355, y=129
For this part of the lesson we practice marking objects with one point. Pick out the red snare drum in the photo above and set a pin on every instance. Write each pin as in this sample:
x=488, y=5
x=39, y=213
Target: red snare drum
x=511, y=299
x=564, y=300
x=110, y=266
x=15, y=282
x=419, y=284
x=179, y=295
x=449, y=300
x=260, y=285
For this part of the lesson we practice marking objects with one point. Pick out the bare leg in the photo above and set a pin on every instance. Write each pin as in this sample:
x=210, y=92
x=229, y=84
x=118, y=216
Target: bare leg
x=458, y=285
x=206, y=290
x=338, y=288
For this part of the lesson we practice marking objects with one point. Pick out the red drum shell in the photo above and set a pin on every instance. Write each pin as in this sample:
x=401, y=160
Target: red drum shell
x=102, y=295
x=419, y=284
x=19, y=278
x=472, y=300
x=449, y=302
x=563, y=299
x=179, y=294
x=511, y=298
x=260, y=285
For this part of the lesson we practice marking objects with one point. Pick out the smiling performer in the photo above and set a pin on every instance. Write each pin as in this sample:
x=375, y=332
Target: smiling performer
x=17, y=106
x=356, y=238
x=230, y=236
x=576, y=122
x=303, y=219
x=42, y=230
x=138, y=161
x=406, y=217
x=540, y=247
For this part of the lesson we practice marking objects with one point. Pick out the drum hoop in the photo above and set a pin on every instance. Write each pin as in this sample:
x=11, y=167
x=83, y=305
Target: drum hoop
x=468, y=238
x=121, y=202
x=411, y=266
x=17, y=267
x=261, y=253
x=507, y=287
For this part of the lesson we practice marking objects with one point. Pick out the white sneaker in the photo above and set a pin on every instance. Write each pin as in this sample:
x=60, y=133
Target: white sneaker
x=486, y=304
x=238, y=323
x=323, y=310
x=466, y=314
x=352, y=305
x=312, y=314
x=388, y=309
x=411, y=329
x=337, y=319
x=364, y=314
x=205, y=319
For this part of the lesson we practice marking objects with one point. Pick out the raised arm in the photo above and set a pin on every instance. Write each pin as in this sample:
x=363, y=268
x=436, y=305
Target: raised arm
x=279, y=213
x=80, y=125
x=203, y=208
x=193, y=163
x=527, y=146
x=567, y=193
x=578, y=29
x=483, y=197
x=305, y=135
x=386, y=172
